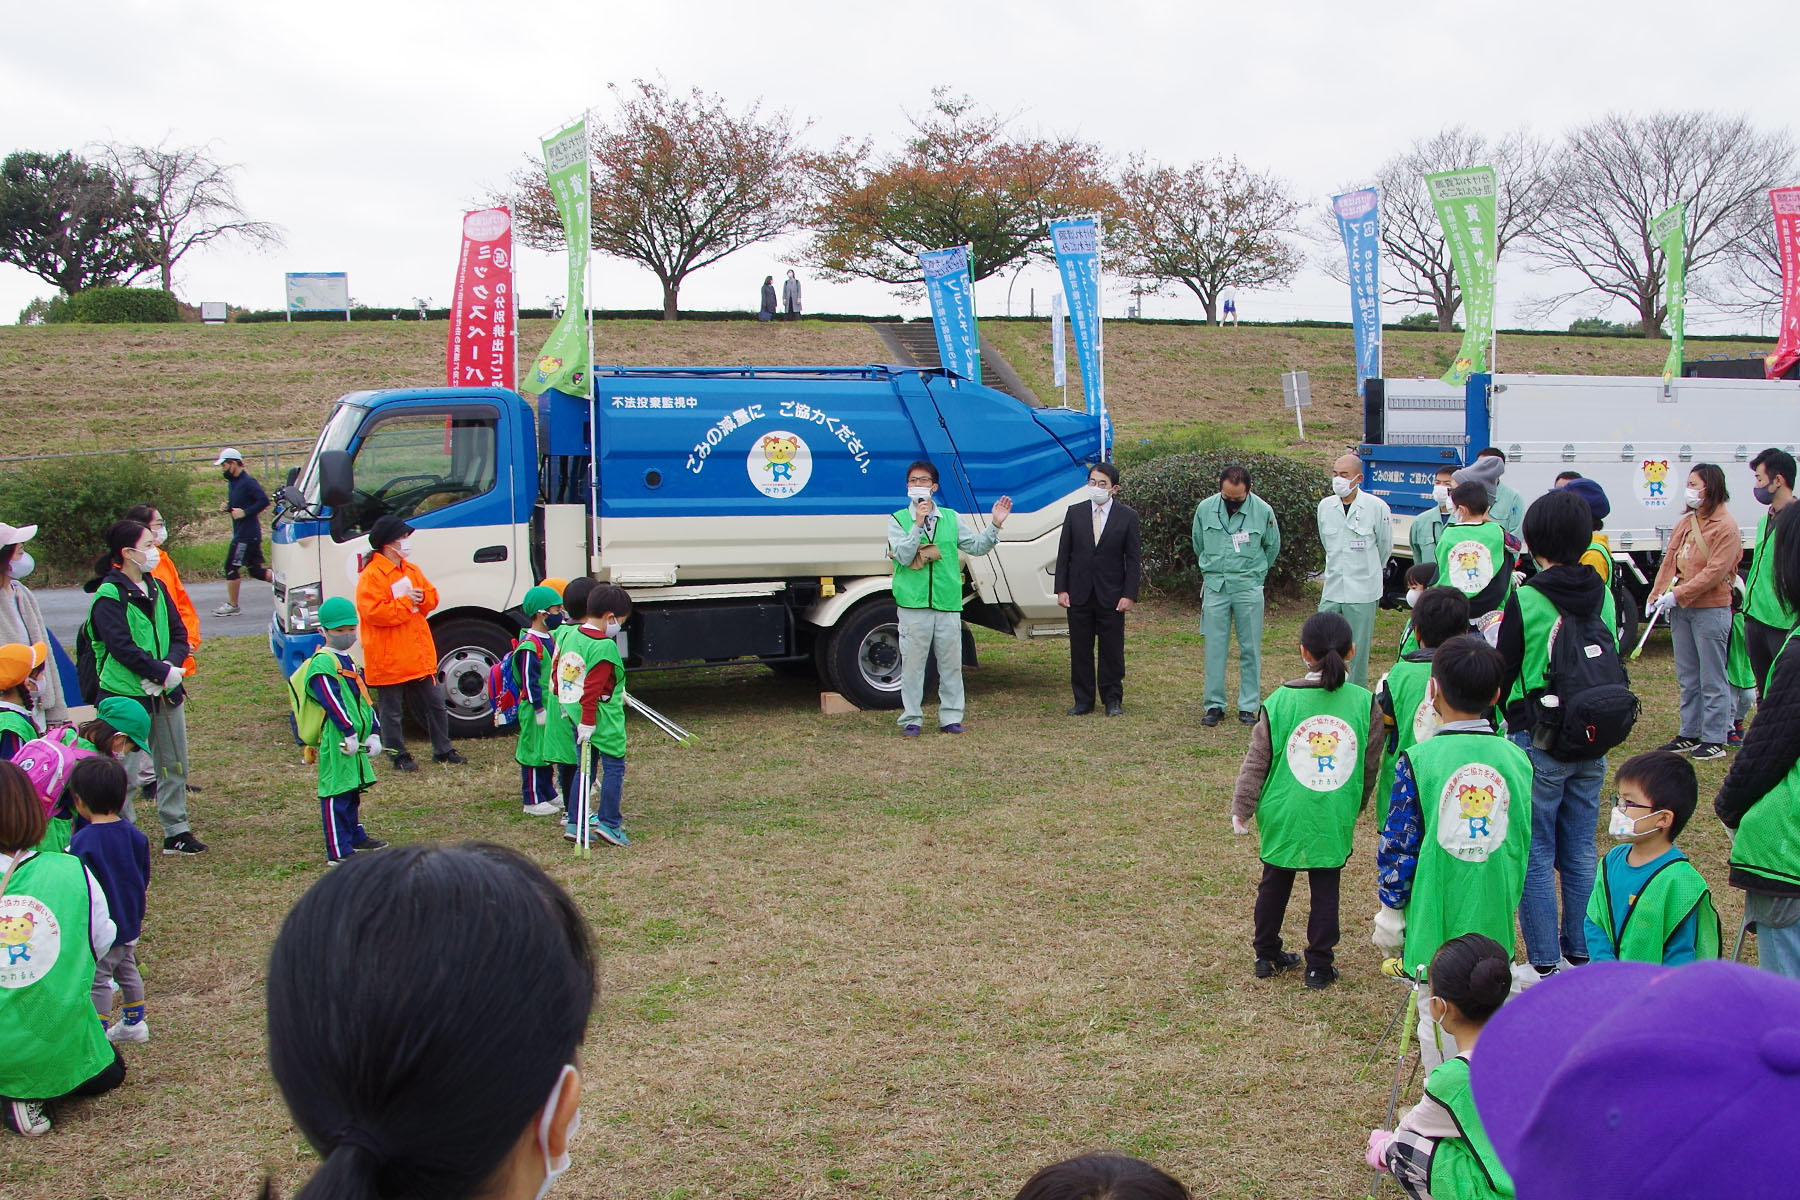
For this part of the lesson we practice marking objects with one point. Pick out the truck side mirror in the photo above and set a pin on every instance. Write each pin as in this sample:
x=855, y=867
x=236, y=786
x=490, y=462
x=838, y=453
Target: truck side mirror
x=335, y=478
x=293, y=474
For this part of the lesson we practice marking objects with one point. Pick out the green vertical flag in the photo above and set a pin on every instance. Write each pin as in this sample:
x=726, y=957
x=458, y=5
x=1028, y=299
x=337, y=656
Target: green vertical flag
x=563, y=362
x=1669, y=232
x=1466, y=201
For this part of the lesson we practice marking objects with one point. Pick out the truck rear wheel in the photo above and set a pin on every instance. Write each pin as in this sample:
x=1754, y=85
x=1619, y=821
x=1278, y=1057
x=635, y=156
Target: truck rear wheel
x=1625, y=610
x=466, y=649
x=861, y=657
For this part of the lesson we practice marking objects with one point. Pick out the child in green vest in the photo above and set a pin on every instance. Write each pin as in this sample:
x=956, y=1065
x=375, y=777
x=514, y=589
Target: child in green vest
x=574, y=605
x=1306, y=776
x=1472, y=555
x=1439, y=1149
x=1452, y=854
x=1407, y=716
x=590, y=685
x=19, y=723
x=540, y=739
x=1419, y=576
x=352, y=736
x=1651, y=904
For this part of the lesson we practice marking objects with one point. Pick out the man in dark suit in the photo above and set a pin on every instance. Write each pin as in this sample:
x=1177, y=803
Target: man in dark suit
x=1097, y=568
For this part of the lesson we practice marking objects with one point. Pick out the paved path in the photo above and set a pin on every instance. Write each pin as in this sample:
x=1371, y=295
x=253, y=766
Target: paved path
x=66, y=608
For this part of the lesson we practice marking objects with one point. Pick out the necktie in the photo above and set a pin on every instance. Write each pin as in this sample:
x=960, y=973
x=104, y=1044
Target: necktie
x=1099, y=524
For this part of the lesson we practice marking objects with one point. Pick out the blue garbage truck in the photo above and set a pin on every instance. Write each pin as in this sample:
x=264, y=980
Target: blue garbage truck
x=744, y=508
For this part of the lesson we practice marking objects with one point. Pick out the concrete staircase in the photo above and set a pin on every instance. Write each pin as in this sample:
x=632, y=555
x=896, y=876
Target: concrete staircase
x=914, y=344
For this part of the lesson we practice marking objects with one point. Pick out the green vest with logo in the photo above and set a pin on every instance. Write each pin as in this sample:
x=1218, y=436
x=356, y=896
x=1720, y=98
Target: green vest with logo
x=579, y=655
x=150, y=631
x=1760, y=600
x=1768, y=838
x=1317, y=739
x=340, y=772
x=50, y=1040
x=1652, y=916
x=1414, y=720
x=936, y=585
x=554, y=740
x=1475, y=808
x=1465, y=1167
x=1473, y=560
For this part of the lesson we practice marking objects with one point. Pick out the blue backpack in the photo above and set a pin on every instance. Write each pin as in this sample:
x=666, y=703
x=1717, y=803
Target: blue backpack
x=503, y=689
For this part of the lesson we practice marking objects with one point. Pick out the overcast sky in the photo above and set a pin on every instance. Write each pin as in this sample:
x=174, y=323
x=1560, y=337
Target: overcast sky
x=365, y=129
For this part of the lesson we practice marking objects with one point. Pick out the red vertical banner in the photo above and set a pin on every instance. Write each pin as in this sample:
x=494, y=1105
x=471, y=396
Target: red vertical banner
x=483, y=346
x=1786, y=202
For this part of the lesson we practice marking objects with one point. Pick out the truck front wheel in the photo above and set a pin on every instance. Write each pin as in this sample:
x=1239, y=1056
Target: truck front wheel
x=466, y=649
x=862, y=656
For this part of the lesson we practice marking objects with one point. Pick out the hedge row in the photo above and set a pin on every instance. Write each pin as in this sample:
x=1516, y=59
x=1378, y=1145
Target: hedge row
x=114, y=306
x=74, y=501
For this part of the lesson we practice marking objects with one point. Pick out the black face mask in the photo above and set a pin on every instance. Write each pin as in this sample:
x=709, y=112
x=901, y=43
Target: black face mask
x=226, y=475
x=1231, y=506
x=553, y=620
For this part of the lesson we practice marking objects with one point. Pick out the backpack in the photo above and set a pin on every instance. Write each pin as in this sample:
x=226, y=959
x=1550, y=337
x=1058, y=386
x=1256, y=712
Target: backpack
x=503, y=689
x=1587, y=706
x=309, y=714
x=47, y=762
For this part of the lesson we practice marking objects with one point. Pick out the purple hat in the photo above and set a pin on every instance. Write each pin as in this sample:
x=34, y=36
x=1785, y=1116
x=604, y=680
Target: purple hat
x=1635, y=1079
x=1593, y=494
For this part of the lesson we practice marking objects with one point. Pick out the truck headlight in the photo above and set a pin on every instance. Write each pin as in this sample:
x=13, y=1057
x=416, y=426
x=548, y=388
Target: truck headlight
x=302, y=608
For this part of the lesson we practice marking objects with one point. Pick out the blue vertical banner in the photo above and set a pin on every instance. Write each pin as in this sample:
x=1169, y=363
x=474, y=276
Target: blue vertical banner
x=1077, y=245
x=952, y=295
x=1359, y=223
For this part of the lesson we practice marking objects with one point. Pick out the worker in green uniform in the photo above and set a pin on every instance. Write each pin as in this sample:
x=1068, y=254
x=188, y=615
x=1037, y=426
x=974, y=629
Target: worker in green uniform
x=1357, y=531
x=1236, y=538
x=1422, y=534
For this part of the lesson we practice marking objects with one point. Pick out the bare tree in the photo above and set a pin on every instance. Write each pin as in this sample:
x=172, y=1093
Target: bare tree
x=1210, y=226
x=679, y=182
x=192, y=199
x=1612, y=178
x=1750, y=283
x=1418, y=267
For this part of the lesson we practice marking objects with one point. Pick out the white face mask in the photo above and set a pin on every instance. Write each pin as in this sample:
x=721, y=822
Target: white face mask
x=554, y=1168
x=162, y=535
x=919, y=492
x=613, y=627
x=1441, y=493
x=404, y=546
x=1412, y=599
x=1342, y=487
x=1099, y=495
x=152, y=558
x=1693, y=497
x=21, y=566
x=1623, y=826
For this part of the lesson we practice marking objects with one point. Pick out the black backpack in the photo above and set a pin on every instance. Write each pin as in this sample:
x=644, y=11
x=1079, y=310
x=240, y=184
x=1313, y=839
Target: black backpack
x=1586, y=707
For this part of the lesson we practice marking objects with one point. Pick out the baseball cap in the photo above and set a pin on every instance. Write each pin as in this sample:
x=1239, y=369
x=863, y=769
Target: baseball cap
x=128, y=717
x=539, y=598
x=17, y=661
x=1635, y=1079
x=555, y=583
x=336, y=613
x=14, y=535
x=228, y=454
x=1593, y=494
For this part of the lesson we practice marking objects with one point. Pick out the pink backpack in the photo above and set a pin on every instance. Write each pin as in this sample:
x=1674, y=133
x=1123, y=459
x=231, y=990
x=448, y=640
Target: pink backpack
x=47, y=762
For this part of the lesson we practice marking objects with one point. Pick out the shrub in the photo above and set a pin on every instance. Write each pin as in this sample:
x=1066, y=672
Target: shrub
x=73, y=501
x=45, y=310
x=1191, y=439
x=122, y=306
x=1165, y=491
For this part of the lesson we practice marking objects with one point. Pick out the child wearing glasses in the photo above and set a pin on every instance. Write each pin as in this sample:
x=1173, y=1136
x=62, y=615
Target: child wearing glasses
x=1650, y=904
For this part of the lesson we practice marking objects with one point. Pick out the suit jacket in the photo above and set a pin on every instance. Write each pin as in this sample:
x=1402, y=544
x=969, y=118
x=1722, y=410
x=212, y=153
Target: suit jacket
x=1105, y=571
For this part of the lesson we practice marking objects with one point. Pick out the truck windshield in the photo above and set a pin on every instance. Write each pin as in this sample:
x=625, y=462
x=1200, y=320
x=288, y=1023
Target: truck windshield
x=336, y=435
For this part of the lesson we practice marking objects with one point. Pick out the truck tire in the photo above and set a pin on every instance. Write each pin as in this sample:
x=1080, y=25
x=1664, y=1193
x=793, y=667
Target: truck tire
x=861, y=656
x=466, y=648
x=1625, y=611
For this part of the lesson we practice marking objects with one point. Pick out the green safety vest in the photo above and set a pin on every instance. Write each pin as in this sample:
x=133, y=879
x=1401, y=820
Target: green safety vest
x=1538, y=614
x=1768, y=838
x=1317, y=739
x=58, y=832
x=1473, y=560
x=1760, y=600
x=1414, y=720
x=1609, y=609
x=1464, y=1167
x=340, y=772
x=554, y=740
x=579, y=655
x=149, y=631
x=1737, y=657
x=50, y=1041
x=1409, y=639
x=1475, y=808
x=1652, y=916
x=18, y=724
x=936, y=585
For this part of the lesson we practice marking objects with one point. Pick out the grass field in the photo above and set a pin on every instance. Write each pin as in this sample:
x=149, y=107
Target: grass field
x=835, y=963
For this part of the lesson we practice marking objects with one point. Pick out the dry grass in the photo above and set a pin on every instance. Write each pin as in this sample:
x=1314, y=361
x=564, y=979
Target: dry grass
x=836, y=963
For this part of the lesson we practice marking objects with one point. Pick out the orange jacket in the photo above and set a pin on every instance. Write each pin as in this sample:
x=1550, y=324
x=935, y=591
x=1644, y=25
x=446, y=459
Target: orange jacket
x=170, y=578
x=396, y=638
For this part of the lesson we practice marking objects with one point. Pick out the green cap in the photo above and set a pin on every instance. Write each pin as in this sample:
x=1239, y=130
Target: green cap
x=128, y=717
x=336, y=613
x=539, y=598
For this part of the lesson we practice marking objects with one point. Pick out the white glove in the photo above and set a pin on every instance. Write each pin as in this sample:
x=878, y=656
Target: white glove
x=372, y=744
x=1239, y=825
x=1390, y=930
x=542, y=717
x=350, y=745
x=172, y=680
x=584, y=734
x=152, y=689
x=1518, y=579
x=1668, y=603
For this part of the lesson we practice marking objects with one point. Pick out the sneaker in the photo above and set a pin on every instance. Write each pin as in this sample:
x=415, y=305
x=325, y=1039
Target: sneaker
x=368, y=844
x=28, y=1117
x=569, y=830
x=1213, y=717
x=1734, y=739
x=613, y=833
x=449, y=756
x=128, y=1031
x=332, y=862
x=1318, y=981
x=1681, y=745
x=542, y=808
x=952, y=727
x=1707, y=752
x=227, y=610
x=1287, y=960
x=911, y=731
x=183, y=843
x=404, y=762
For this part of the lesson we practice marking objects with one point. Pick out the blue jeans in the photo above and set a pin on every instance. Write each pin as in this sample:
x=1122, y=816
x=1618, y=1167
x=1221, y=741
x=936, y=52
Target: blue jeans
x=1777, y=947
x=612, y=792
x=1565, y=817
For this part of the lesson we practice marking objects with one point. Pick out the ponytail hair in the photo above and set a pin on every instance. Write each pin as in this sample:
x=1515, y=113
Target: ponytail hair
x=1327, y=641
x=100, y=734
x=120, y=537
x=1473, y=972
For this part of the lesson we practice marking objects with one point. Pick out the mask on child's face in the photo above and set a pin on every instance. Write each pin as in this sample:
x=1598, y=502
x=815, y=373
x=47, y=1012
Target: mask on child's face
x=612, y=628
x=1412, y=597
x=340, y=639
x=1624, y=827
x=553, y=620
